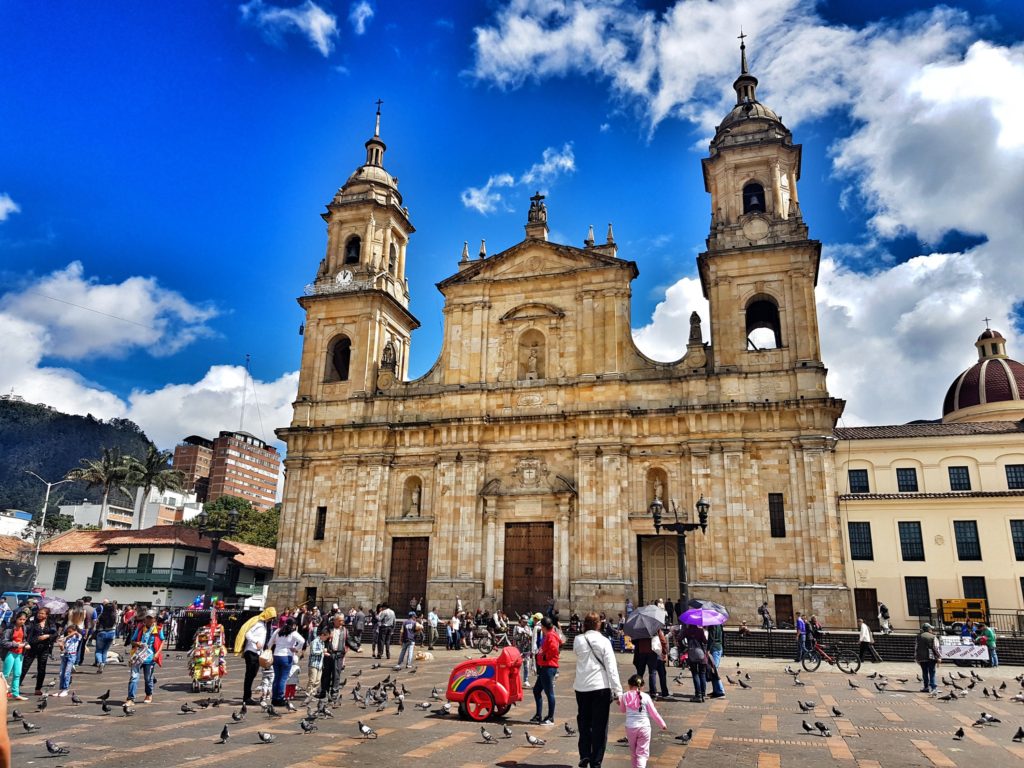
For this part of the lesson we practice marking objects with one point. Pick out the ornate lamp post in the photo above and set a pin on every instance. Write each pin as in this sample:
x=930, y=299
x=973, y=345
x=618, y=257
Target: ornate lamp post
x=215, y=535
x=681, y=528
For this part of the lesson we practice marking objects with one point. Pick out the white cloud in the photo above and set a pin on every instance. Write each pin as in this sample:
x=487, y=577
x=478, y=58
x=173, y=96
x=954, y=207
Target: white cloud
x=660, y=338
x=930, y=137
x=308, y=19
x=485, y=199
x=359, y=16
x=166, y=414
x=553, y=163
x=80, y=317
x=7, y=206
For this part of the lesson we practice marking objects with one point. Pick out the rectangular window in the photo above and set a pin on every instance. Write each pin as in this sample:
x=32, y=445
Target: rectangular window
x=959, y=479
x=860, y=541
x=191, y=561
x=906, y=480
x=918, y=601
x=911, y=540
x=60, y=576
x=145, y=564
x=974, y=588
x=1017, y=534
x=321, y=524
x=1015, y=477
x=968, y=546
x=858, y=481
x=95, y=582
x=777, y=515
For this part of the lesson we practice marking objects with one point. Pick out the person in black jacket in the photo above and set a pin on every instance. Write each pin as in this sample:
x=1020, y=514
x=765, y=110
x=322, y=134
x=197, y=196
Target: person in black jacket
x=40, y=632
x=106, y=622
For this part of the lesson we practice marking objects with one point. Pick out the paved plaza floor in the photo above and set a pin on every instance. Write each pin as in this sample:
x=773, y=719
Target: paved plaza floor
x=758, y=727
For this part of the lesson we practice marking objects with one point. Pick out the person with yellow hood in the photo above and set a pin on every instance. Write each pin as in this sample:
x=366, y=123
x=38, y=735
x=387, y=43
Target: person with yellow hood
x=251, y=639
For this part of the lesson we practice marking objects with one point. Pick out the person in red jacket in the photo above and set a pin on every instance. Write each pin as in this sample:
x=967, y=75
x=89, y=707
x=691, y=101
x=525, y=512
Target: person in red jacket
x=547, y=667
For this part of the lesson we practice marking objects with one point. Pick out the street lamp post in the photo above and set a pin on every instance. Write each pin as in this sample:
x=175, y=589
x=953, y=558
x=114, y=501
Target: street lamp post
x=42, y=516
x=657, y=509
x=215, y=535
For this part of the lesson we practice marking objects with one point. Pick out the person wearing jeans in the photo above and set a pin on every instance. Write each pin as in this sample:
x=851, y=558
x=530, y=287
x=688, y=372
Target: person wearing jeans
x=68, y=655
x=286, y=644
x=547, y=667
x=146, y=643
x=716, y=647
x=801, y=638
x=105, y=631
x=408, y=642
x=927, y=654
x=40, y=633
x=597, y=680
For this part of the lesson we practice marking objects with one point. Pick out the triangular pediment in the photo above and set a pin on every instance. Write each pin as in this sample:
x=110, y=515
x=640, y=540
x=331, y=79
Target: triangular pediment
x=532, y=258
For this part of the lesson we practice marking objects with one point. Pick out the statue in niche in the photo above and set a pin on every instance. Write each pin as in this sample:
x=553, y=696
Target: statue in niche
x=695, y=332
x=414, y=502
x=658, y=489
x=531, y=364
x=388, y=360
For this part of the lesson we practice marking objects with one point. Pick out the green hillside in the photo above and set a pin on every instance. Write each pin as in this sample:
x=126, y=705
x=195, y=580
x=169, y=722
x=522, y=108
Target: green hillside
x=49, y=443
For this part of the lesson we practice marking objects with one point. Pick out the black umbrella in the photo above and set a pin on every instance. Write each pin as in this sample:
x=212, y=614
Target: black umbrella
x=707, y=605
x=645, y=622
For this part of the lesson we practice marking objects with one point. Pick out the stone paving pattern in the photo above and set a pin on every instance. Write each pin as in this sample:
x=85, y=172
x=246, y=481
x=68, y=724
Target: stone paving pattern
x=759, y=727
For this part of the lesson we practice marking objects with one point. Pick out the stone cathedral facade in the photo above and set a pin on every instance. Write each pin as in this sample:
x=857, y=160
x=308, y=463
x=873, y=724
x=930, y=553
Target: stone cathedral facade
x=519, y=469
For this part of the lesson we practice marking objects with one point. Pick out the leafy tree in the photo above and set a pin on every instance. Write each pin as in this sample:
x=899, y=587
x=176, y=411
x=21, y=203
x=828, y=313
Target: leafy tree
x=108, y=472
x=253, y=526
x=152, y=471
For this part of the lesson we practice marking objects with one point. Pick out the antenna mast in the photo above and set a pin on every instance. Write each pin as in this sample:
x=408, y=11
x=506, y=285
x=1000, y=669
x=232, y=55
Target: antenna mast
x=245, y=384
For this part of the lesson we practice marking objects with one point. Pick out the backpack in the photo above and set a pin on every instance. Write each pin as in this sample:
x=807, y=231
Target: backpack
x=760, y=610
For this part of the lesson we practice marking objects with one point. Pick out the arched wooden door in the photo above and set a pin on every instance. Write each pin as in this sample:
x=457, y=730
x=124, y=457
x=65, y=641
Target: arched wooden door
x=408, y=573
x=529, y=567
x=660, y=568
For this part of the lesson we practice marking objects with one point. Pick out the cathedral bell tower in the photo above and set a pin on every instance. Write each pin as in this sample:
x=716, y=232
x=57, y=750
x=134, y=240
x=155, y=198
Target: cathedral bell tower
x=358, y=324
x=760, y=267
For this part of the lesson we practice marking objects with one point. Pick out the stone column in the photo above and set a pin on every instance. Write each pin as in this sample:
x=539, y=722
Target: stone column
x=385, y=254
x=777, y=191
x=401, y=259
x=562, y=565
x=490, y=515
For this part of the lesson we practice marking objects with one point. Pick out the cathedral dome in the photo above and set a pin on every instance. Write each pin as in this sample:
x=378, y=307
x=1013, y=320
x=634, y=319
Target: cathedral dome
x=747, y=108
x=748, y=111
x=990, y=390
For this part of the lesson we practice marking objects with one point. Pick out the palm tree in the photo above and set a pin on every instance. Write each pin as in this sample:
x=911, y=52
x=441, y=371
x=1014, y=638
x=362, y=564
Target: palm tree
x=152, y=472
x=108, y=472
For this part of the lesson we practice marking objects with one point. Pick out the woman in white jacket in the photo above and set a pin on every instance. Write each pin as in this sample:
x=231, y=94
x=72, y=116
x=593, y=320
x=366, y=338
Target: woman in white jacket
x=597, y=681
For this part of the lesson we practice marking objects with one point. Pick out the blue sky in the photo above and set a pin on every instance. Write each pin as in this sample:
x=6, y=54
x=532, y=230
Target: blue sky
x=168, y=169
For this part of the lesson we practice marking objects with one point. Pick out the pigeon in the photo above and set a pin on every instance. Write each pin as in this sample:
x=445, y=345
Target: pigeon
x=29, y=727
x=805, y=706
x=872, y=676
x=359, y=672
x=382, y=707
x=366, y=731
x=1019, y=735
x=746, y=676
x=54, y=749
x=880, y=687
x=959, y=735
x=569, y=730
x=375, y=666
x=533, y=741
x=446, y=708
x=42, y=704
x=996, y=694
x=836, y=712
x=986, y=719
x=307, y=727
x=105, y=696
x=75, y=699
x=128, y=709
x=685, y=737
x=823, y=729
x=791, y=671
x=745, y=685
x=266, y=738
x=424, y=705
x=1003, y=686
x=808, y=728
x=187, y=709
x=224, y=735
x=485, y=734
x=16, y=715
x=948, y=697
x=106, y=708
x=984, y=692
x=244, y=710
x=798, y=681
x=434, y=693
x=852, y=684
x=342, y=683
x=238, y=716
x=506, y=731
x=271, y=712
x=288, y=705
x=401, y=706
x=731, y=681
x=902, y=680
x=919, y=678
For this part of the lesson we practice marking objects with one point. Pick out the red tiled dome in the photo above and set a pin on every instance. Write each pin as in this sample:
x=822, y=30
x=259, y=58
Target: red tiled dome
x=992, y=380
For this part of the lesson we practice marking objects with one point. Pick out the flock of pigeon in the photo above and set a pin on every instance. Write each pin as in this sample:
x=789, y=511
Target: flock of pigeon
x=389, y=692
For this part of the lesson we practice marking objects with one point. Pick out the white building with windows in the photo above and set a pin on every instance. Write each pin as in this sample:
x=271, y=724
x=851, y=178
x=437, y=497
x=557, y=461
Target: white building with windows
x=935, y=510
x=166, y=508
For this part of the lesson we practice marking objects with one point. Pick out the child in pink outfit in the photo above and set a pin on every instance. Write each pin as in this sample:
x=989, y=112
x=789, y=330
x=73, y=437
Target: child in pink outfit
x=638, y=706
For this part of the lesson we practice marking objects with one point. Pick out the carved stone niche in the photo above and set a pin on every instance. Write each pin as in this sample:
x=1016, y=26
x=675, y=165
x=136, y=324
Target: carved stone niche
x=532, y=355
x=657, y=485
x=412, y=497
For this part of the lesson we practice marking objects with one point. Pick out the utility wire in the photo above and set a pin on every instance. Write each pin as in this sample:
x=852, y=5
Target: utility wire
x=96, y=311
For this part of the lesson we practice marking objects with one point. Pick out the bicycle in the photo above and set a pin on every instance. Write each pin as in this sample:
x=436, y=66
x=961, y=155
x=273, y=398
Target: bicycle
x=847, y=661
x=488, y=640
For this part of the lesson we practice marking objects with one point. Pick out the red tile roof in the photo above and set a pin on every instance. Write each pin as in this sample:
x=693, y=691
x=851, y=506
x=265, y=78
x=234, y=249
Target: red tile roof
x=11, y=547
x=942, y=495
x=258, y=558
x=168, y=536
x=75, y=541
x=929, y=429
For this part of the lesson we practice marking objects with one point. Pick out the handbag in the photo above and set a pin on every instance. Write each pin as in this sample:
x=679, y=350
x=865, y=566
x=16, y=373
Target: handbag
x=266, y=659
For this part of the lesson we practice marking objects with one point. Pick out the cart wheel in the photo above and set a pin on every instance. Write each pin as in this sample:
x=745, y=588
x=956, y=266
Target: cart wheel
x=502, y=711
x=479, y=704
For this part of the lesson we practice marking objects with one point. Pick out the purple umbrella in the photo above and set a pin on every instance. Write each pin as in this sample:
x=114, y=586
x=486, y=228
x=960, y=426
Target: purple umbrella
x=703, y=617
x=54, y=604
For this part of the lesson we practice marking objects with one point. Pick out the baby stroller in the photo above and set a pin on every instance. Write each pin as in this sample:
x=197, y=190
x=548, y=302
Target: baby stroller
x=208, y=659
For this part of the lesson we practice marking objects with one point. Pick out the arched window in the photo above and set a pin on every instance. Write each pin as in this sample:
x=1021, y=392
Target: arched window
x=392, y=259
x=764, y=331
x=339, y=359
x=753, y=198
x=353, y=247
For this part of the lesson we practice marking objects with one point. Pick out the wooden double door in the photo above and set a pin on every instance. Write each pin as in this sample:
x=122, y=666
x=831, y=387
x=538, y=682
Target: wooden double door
x=529, y=583
x=659, y=569
x=408, y=573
